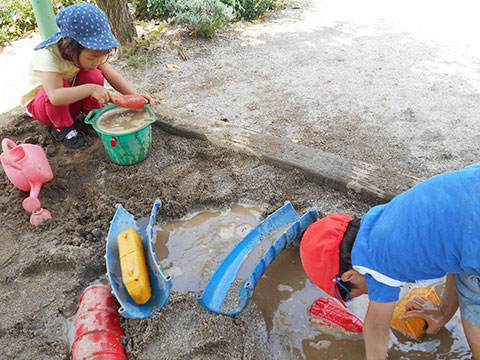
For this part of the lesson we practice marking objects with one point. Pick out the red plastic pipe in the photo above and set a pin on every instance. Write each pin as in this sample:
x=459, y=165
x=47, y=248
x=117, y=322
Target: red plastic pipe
x=328, y=312
x=97, y=326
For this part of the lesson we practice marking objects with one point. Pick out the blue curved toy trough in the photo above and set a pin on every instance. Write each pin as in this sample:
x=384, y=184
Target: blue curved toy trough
x=159, y=283
x=220, y=283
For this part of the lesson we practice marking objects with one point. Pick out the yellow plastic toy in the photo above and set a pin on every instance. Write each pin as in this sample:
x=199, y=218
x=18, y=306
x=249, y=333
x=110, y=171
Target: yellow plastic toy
x=413, y=326
x=133, y=265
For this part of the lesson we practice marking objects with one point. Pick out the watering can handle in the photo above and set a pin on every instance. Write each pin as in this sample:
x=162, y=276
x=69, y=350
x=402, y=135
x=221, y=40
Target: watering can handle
x=91, y=115
x=5, y=144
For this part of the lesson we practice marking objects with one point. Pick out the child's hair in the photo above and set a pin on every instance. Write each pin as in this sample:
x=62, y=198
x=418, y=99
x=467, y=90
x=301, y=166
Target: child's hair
x=70, y=49
x=346, y=253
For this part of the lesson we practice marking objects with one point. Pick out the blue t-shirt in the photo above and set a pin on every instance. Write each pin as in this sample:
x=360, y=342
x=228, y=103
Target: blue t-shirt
x=424, y=233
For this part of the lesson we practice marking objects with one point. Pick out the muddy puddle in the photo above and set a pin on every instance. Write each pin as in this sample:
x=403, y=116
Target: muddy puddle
x=191, y=249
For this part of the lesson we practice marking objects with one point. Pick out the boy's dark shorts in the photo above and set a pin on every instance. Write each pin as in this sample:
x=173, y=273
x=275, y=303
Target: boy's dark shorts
x=468, y=289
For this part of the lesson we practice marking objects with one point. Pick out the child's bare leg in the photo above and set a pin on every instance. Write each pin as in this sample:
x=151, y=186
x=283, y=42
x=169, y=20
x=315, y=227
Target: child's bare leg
x=473, y=337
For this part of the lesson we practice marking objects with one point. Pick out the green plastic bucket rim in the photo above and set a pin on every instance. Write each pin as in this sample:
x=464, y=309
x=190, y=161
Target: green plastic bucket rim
x=95, y=114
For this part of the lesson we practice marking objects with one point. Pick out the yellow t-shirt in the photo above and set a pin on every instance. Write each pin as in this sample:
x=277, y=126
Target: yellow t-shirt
x=47, y=59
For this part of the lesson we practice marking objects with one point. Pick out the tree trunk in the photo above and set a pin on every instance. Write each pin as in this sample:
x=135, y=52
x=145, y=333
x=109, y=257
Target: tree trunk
x=120, y=20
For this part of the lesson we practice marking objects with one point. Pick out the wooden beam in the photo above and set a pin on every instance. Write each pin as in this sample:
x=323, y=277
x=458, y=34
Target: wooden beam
x=318, y=166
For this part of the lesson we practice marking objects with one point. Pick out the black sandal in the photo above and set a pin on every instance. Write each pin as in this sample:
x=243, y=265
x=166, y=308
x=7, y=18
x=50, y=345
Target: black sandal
x=79, y=124
x=70, y=136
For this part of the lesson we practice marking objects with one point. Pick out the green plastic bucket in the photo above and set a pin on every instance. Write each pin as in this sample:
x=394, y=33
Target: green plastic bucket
x=126, y=148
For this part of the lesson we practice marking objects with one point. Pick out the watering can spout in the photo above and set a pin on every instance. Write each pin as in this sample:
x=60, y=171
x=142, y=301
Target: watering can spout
x=31, y=203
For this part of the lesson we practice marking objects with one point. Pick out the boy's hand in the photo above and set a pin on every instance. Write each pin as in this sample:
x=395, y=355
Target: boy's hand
x=422, y=307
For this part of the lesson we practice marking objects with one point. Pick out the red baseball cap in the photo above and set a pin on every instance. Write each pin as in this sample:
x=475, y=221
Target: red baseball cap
x=320, y=250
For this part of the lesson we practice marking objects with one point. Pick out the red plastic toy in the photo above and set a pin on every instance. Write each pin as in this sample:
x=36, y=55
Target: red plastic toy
x=97, y=326
x=130, y=101
x=328, y=312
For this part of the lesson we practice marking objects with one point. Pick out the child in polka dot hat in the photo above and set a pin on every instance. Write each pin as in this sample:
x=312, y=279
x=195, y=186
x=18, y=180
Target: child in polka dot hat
x=67, y=72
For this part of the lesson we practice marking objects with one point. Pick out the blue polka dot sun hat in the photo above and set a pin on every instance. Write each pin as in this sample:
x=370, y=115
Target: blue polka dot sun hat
x=85, y=23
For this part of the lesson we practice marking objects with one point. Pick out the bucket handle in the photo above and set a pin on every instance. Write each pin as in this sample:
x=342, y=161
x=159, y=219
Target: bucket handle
x=5, y=144
x=91, y=115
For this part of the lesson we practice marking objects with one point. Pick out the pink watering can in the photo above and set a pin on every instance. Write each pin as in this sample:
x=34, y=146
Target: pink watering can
x=28, y=169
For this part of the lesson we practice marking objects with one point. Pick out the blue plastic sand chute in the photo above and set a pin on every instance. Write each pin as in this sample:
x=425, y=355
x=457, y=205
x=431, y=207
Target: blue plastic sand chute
x=159, y=283
x=221, y=282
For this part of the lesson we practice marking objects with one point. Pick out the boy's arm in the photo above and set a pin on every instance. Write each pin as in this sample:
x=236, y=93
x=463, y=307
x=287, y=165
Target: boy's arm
x=119, y=83
x=376, y=329
x=436, y=316
x=449, y=302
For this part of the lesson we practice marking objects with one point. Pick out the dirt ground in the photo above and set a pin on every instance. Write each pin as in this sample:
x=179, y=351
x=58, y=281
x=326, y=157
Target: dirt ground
x=45, y=268
x=395, y=85
x=307, y=84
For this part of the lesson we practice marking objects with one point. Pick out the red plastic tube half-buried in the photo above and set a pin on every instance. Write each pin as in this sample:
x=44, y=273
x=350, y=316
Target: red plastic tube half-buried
x=97, y=326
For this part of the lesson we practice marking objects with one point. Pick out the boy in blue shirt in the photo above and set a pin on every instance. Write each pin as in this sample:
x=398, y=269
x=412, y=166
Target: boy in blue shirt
x=427, y=232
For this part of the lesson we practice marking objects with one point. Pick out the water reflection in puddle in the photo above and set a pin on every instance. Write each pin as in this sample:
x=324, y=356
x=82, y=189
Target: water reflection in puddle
x=191, y=249
x=284, y=295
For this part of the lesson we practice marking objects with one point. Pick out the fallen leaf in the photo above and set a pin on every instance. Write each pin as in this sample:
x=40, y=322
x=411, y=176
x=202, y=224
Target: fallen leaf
x=182, y=55
x=295, y=141
x=154, y=95
x=224, y=119
x=173, y=66
x=86, y=184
